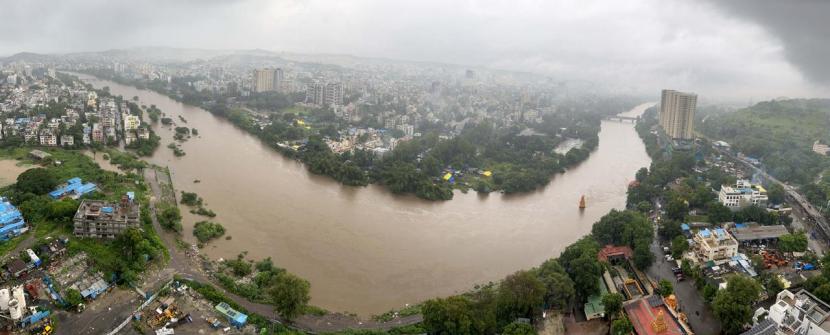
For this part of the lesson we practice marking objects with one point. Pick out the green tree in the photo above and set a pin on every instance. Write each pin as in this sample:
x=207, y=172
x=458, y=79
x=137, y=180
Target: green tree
x=733, y=305
x=613, y=304
x=453, y=315
x=560, y=291
x=289, y=294
x=36, y=181
x=621, y=326
x=580, y=261
x=679, y=245
x=520, y=295
x=72, y=297
x=718, y=213
x=518, y=328
x=665, y=288
x=796, y=242
x=642, y=254
x=776, y=193
x=677, y=209
x=669, y=229
x=643, y=206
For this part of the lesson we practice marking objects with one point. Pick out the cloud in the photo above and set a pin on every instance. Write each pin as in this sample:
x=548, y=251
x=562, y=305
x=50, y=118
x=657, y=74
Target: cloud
x=636, y=46
x=801, y=26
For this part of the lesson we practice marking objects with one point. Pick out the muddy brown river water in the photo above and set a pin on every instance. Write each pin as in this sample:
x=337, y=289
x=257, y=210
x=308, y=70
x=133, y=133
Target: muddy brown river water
x=365, y=250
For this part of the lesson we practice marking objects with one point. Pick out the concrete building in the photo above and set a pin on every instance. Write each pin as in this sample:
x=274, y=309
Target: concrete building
x=131, y=122
x=742, y=194
x=715, y=244
x=677, y=114
x=794, y=313
x=100, y=219
x=264, y=80
x=334, y=94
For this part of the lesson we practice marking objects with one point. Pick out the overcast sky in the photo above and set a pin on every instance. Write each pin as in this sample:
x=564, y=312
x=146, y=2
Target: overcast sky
x=743, y=49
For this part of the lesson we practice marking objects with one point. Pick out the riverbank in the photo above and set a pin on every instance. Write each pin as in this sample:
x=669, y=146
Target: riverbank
x=364, y=250
x=485, y=158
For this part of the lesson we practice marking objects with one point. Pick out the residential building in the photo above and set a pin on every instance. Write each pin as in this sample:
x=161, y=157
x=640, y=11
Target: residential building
x=48, y=138
x=67, y=140
x=715, y=244
x=100, y=219
x=264, y=80
x=821, y=148
x=334, y=94
x=794, y=313
x=325, y=94
x=131, y=122
x=742, y=194
x=677, y=114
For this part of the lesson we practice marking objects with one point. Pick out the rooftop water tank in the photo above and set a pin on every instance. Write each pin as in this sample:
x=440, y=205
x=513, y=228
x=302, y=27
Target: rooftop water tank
x=17, y=294
x=5, y=296
x=14, y=310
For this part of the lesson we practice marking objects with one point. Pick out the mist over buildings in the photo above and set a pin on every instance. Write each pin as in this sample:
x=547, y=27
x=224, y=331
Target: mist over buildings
x=730, y=51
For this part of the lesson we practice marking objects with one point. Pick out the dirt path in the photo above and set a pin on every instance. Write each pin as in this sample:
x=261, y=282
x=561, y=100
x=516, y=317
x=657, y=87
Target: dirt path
x=186, y=267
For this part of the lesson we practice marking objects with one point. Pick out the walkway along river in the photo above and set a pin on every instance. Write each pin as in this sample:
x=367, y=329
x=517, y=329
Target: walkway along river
x=363, y=249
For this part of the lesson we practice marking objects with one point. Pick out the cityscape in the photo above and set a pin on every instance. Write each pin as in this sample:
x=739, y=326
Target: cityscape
x=345, y=181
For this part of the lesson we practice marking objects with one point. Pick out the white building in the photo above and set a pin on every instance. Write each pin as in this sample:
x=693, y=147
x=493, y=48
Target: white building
x=715, y=244
x=795, y=313
x=131, y=122
x=742, y=194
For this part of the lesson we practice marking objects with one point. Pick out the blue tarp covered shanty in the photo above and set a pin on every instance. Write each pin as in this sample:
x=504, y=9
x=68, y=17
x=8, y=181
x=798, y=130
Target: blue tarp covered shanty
x=73, y=186
x=234, y=317
x=11, y=221
x=95, y=289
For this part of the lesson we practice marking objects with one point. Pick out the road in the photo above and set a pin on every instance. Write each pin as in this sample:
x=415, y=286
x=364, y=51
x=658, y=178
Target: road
x=184, y=266
x=814, y=216
x=690, y=301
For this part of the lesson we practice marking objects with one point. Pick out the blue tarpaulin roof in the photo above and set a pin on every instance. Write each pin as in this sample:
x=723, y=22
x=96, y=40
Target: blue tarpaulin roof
x=684, y=226
x=236, y=318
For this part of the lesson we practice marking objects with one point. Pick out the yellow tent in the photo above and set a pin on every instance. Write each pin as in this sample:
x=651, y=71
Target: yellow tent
x=447, y=176
x=487, y=173
x=300, y=122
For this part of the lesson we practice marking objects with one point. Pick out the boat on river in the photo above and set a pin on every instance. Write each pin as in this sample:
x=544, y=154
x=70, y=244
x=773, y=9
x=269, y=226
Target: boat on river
x=582, y=202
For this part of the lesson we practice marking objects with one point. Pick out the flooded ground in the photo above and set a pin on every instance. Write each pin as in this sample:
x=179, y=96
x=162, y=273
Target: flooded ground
x=365, y=250
x=10, y=169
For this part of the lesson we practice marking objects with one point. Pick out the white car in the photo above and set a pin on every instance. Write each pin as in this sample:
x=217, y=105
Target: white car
x=669, y=258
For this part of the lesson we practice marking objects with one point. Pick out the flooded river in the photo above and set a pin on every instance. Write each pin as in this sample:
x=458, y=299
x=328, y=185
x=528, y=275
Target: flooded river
x=365, y=250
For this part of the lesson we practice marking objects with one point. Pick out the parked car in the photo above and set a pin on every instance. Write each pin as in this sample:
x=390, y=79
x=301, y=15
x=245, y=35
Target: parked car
x=676, y=270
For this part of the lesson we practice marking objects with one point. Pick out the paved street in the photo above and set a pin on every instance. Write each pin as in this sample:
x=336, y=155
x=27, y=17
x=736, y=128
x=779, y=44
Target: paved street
x=691, y=302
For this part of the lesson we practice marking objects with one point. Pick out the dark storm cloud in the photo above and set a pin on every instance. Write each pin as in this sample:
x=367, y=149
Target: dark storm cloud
x=803, y=27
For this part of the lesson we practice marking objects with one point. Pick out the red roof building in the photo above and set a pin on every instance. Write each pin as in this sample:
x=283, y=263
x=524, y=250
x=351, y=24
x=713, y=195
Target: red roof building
x=650, y=316
x=611, y=251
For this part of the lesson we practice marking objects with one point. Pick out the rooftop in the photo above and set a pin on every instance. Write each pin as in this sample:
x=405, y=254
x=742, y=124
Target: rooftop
x=753, y=232
x=650, y=316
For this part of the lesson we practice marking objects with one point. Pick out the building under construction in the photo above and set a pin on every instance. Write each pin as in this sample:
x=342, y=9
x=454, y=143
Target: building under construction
x=100, y=219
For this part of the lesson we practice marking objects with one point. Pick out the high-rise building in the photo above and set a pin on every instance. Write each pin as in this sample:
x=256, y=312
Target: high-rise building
x=279, y=77
x=334, y=94
x=329, y=94
x=677, y=114
x=264, y=80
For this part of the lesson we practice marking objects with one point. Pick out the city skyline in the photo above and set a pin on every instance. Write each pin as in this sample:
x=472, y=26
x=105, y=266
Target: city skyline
x=723, y=52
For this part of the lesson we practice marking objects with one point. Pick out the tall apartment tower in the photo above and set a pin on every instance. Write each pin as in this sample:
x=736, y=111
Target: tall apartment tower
x=279, y=78
x=334, y=94
x=677, y=114
x=264, y=80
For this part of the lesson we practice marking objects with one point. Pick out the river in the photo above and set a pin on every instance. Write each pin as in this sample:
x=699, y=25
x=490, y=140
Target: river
x=363, y=249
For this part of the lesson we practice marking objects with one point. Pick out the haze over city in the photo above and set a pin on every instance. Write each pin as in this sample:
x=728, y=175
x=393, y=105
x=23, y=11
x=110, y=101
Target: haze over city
x=379, y=167
x=733, y=51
